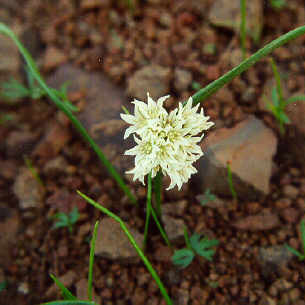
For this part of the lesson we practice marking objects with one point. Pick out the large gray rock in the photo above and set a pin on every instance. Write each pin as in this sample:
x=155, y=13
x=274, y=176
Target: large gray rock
x=100, y=112
x=227, y=14
x=249, y=146
x=112, y=242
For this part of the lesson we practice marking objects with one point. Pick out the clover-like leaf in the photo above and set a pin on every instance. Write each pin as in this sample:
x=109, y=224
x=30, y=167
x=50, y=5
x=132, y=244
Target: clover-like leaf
x=202, y=246
x=183, y=257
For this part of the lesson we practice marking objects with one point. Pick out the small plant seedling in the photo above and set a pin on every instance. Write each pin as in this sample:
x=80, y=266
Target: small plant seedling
x=208, y=197
x=14, y=90
x=5, y=118
x=33, y=171
x=278, y=4
x=209, y=49
x=196, y=86
x=3, y=285
x=300, y=255
x=195, y=245
x=279, y=103
x=66, y=220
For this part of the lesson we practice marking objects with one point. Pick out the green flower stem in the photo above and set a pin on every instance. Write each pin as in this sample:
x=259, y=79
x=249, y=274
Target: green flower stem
x=148, y=209
x=187, y=239
x=207, y=91
x=91, y=261
x=69, y=302
x=243, y=27
x=133, y=242
x=77, y=124
x=157, y=189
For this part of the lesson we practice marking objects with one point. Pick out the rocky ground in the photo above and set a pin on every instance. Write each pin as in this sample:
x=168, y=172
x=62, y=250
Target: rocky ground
x=110, y=53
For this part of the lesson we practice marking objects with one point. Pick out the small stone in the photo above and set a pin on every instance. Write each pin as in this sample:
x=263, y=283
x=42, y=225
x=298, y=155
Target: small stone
x=259, y=222
x=91, y=4
x=112, y=242
x=174, y=208
x=20, y=143
x=290, y=191
x=153, y=78
x=23, y=288
x=53, y=141
x=174, y=228
x=290, y=215
x=55, y=166
x=183, y=79
x=274, y=257
x=28, y=190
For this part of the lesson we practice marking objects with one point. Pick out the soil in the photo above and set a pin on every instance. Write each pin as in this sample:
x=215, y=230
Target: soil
x=108, y=37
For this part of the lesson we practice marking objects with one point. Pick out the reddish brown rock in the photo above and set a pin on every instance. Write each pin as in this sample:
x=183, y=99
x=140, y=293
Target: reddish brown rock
x=249, y=147
x=112, y=242
x=100, y=115
x=260, y=222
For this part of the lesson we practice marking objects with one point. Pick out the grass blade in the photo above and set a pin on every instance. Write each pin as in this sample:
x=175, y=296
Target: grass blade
x=75, y=302
x=134, y=243
x=214, y=86
x=67, y=295
x=91, y=261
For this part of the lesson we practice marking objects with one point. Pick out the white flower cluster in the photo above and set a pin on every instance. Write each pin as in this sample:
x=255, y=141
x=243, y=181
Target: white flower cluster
x=165, y=141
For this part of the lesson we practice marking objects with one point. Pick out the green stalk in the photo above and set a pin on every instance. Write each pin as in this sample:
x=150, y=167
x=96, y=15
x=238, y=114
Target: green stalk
x=243, y=27
x=278, y=82
x=148, y=209
x=134, y=243
x=157, y=189
x=69, y=302
x=77, y=124
x=91, y=261
x=207, y=91
x=187, y=239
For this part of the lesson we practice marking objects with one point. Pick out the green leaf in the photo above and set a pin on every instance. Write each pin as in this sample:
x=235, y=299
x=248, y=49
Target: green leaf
x=13, y=90
x=201, y=246
x=295, y=252
x=284, y=118
x=295, y=98
x=303, y=233
x=3, y=285
x=183, y=257
x=61, y=217
x=67, y=295
x=208, y=197
x=69, y=302
x=74, y=215
x=275, y=97
x=60, y=224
